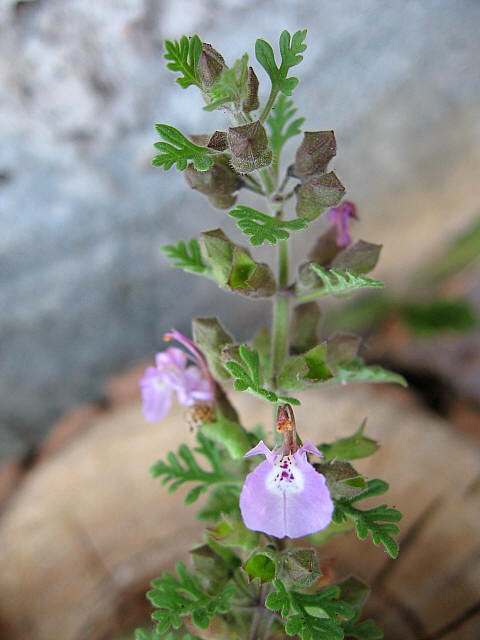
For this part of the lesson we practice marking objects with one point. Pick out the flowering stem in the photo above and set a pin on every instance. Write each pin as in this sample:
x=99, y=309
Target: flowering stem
x=281, y=309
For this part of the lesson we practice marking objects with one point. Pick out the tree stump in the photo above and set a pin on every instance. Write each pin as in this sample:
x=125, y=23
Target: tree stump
x=89, y=527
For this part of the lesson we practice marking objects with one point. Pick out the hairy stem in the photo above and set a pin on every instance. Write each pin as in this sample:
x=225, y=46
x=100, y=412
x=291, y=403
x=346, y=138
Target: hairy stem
x=269, y=104
x=281, y=311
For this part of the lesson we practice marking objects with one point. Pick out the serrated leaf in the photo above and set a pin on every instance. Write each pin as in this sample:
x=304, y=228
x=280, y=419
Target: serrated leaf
x=379, y=521
x=338, y=283
x=350, y=448
x=281, y=125
x=187, y=255
x=177, y=149
x=261, y=227
x=183, y=56
x=184, y=467
x=357, y=371
x=291, y=49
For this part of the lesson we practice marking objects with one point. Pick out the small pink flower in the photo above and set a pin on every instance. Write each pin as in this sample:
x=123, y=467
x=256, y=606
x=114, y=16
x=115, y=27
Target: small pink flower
x=340, y=217
x=285, y=495
x=172, y=373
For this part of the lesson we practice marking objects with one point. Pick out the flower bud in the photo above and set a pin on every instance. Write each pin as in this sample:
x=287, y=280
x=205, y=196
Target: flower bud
x=318, y=193
x=218, y=183
x=251, y=102
x=249, y=147
x=211, y=65
x=216, y=141
x=314, y=154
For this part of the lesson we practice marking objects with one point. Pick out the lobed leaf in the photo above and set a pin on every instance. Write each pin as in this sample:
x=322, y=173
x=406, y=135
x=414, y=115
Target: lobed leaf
x=338, y=283
x=187, y=255
x=264, y=228
x=291, y=48
x=177, y=149
x=281, y=129
x=183, y=56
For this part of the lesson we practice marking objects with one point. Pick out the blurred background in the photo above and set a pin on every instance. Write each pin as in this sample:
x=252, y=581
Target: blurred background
x=86, y=294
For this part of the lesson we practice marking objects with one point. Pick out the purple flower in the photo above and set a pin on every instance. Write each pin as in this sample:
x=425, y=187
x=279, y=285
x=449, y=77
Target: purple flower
x=285, y=496
x=340, y=217
x=192, y=383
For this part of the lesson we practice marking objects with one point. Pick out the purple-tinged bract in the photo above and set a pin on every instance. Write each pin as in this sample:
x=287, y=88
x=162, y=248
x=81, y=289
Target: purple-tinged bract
x=285, y=495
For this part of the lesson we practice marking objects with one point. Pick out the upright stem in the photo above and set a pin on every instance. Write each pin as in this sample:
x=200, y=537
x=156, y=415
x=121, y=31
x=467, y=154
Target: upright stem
x=281, y=309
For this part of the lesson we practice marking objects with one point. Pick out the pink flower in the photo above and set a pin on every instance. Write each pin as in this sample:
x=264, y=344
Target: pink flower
x=340, y=217
x=172, y=373
x=284, y=495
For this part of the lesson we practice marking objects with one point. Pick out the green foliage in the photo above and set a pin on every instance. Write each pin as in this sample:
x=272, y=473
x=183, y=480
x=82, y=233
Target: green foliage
x=230, y=87
x=183, y=56
x=379, y=521
x=264, y=228
x=290, y=50
x=177, y=597
x=281, y=129
x=248, y=376
x=229, y=433
x=183, y=467
x=357, y=371
x=231, y=532
x=338, y=283
x=178, y=150
x=222, y=500
x=187, y=255
x=350, y=448
x=366, y=630
x=431, y=318
x=142, y=634
x=312, y=616
x=262, y=564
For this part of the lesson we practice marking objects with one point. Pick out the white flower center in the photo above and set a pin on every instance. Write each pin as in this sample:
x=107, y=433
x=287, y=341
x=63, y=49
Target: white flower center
x=285, y=477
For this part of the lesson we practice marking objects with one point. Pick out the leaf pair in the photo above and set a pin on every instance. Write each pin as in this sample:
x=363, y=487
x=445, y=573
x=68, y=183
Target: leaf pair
x=177, y=149
x=264, y=228
x=290, y=50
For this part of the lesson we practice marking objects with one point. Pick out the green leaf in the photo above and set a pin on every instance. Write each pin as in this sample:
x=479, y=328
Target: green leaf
x=183, y=467
x=299, y=372
x=264, y=228
x=183, y=595
x=183, y=56
x=350, y=448
x=231, y=434
x=357, y=371
x=211, y=338
x=438, y=316
x=281, y=129
x=338, y=283
x=177, y=149
x=290, y=50
x=379, y=521
x=248, y=376
x=366, y=630
x=231, y=532
x=187, y=255
x=231, y=87
x=262, y=564
x=311, y=616
x=354, y=591
x=223, y=500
